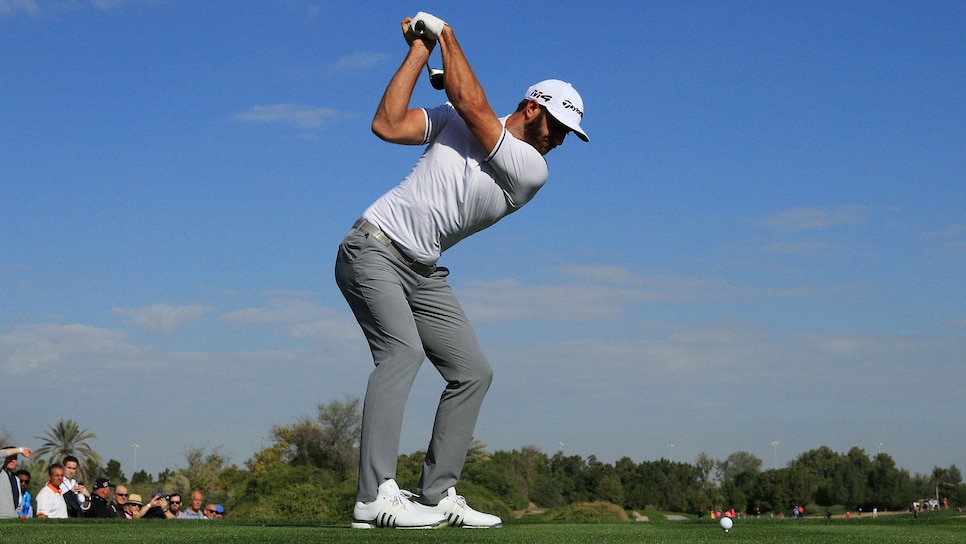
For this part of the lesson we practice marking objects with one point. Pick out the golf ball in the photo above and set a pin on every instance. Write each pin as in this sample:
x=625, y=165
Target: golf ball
x=726, y=524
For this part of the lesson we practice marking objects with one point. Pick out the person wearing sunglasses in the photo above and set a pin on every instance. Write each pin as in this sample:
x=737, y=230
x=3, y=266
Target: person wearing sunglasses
x=120, y=502
x=174, y=507
x=26, y=510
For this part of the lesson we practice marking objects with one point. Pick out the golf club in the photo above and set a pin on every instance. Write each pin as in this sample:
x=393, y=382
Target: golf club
x=436, y=78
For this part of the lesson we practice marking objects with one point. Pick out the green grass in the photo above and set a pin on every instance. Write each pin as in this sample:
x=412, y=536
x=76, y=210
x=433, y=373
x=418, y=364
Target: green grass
x=928, y=529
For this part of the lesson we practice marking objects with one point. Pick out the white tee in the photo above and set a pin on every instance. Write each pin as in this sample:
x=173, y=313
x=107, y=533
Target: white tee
x=456, y=189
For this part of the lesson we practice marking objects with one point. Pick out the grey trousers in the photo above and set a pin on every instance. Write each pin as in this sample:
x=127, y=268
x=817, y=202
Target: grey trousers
x=407, y=318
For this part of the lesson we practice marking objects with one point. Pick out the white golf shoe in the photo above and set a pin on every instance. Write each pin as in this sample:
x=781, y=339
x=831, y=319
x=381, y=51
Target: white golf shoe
x=393, y=509
x=459, y=514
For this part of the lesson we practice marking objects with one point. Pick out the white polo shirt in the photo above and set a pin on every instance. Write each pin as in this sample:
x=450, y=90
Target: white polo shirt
x=456, y=188
x=51, y=502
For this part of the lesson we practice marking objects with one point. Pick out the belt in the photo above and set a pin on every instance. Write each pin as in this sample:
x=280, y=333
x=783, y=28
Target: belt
x=376, y=234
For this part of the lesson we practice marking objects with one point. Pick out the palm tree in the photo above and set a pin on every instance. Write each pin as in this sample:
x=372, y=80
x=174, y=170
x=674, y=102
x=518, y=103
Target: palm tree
x=67, y=438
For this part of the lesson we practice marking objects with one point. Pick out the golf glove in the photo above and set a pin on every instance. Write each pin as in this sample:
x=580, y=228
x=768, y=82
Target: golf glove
x=430, y=28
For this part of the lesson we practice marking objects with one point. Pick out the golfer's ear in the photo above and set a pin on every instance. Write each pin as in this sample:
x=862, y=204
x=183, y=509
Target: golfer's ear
x=532, y=110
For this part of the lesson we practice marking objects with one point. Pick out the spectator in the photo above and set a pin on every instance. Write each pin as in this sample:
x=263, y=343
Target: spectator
x=174, y=507
x=100, y=506
x=50, y=501
x=26, y=510
x=120, y=502
x=77, y=497
x=10, y=494
x=194, y=510
x=132, y=507
x=211, y=511
x=156, y=508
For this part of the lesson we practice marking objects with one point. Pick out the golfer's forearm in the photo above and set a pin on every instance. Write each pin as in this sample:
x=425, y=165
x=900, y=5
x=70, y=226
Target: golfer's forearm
x=462, y=88
x=466, y=93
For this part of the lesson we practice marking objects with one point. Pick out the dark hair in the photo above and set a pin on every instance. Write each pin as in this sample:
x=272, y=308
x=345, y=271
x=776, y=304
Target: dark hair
x=23, y=473
x=68, y=458
x=173, y=495
x=50, y=469
x=522, y=105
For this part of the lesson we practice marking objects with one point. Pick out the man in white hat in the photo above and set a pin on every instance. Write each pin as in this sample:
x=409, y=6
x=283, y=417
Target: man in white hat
x=476, y=169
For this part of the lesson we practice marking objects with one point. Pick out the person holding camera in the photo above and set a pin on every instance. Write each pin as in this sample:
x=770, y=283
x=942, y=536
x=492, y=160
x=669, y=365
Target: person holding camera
x=77, y=497
x=157, y=507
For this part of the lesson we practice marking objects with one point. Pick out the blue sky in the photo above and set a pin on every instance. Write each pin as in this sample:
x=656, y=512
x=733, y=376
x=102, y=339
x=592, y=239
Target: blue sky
x=763, y=241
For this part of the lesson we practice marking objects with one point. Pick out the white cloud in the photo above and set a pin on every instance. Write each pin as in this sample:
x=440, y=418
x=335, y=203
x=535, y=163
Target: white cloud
x=798, y=247
x=9, y=7
x=51, y=347
x=107, y=5
x=301, y=318
x=801, y=219
x=950, y=241
x=302, y=116
x=592, y=293
x=285, y=309
x=37, y=7
x=162, y=318
x=359, y=61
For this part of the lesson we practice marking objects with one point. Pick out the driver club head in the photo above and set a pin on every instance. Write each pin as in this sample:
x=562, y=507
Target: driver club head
x=436, y=78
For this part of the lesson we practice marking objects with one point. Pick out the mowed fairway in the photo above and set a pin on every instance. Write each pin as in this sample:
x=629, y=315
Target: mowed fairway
x=898, y=529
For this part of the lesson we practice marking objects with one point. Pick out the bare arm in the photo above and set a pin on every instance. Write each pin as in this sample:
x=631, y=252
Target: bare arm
x=155, y=501
x=26, y=452
x=466, y=94
x=395, y=121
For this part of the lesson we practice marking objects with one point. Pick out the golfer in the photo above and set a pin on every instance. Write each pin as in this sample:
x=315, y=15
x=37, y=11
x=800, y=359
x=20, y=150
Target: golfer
x=476, y=169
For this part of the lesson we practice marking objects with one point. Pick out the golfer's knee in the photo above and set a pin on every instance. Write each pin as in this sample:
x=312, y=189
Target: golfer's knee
x=399, y=355
x=478, y=377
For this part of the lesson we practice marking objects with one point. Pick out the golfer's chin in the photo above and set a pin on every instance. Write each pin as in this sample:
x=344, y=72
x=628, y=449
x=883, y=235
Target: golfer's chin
x=544, y=147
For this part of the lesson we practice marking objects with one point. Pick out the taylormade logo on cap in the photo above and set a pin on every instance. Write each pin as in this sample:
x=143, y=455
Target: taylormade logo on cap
x=562, y=101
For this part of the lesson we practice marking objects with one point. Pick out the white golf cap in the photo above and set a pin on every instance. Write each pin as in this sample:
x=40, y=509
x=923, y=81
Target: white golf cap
x=562, y=101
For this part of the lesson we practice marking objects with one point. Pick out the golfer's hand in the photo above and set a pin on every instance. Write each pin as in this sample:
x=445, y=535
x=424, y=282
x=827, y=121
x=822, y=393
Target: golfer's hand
x=427, y=26
x=412, y=38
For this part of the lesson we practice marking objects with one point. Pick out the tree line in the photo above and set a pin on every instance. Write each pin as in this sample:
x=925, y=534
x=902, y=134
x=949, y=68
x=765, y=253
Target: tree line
x=309, y=472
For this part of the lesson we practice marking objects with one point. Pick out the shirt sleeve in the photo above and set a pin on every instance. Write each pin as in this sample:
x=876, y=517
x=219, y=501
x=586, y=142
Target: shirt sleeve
x=436, y=119
x=520, y=169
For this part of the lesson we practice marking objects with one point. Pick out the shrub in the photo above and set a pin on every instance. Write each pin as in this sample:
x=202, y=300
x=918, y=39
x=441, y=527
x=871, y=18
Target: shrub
x=589, y=511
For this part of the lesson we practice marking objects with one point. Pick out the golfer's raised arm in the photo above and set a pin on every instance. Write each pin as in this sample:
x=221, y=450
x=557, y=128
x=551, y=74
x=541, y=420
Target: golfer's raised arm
x=394, y=121
x=466, y=94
